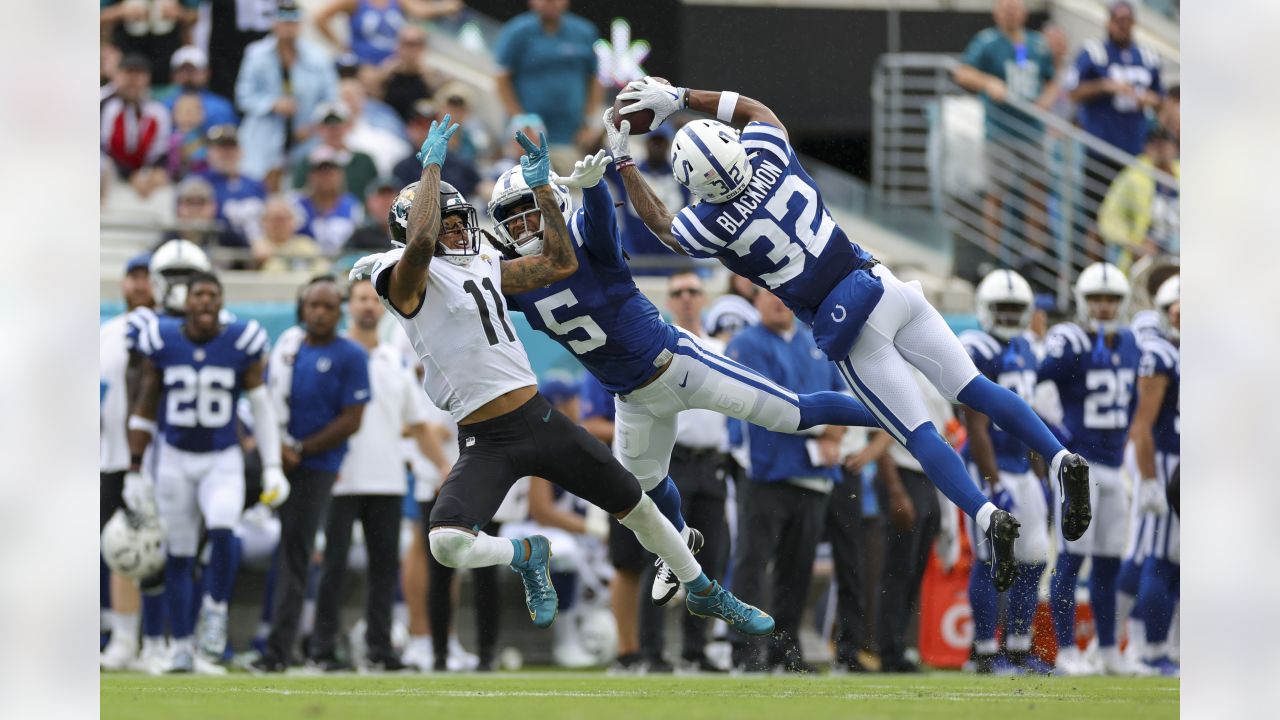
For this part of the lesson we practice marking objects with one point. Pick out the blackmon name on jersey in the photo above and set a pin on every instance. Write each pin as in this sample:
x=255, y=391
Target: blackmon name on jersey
x=1096, y=385
x=598, y=313
x=469, y=351
x=1011, y=365
x=777, y=232
x=200, y=381
x=1161, y=357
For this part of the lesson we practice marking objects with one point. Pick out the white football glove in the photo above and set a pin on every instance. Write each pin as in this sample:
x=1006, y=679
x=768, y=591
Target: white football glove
x=275, y=487
x=586, y=172
x=1151, y=497
x=617, y=140
x=363, y=269
x=139, y=493
x=651, y=94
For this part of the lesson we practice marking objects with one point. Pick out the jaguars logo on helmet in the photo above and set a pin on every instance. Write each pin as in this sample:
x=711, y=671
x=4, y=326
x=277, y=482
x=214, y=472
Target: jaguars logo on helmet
x=452, y=202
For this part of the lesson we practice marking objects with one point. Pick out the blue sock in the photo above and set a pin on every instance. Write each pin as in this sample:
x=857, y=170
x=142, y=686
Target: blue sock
x=179, y=587
x=945, y=468
x=1023, y=597
x=1012, y=414
x=985, y=602
x=667, y=497
x=1157, y=595
x=221, y=573
x=832, y=408
x=154, y=614
x=698, y=584
x=566, y=585
x=1130, y=575
x=1062, y=597
x=1102, y=596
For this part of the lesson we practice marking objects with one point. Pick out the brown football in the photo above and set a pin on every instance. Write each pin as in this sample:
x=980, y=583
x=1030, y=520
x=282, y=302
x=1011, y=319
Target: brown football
x=639, y=120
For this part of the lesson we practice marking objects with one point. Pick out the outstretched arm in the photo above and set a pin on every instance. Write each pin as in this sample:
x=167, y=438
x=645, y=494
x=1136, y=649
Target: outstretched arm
x=409, y=276
x=600, y=233
x=655, y=215
x=659, y=96
x=557, y=260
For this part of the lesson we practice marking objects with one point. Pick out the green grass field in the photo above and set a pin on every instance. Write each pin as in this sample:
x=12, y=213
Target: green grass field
x=564, y=696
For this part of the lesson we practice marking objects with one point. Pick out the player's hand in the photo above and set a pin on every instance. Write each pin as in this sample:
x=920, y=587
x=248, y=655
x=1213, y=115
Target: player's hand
x=1151, y=497
x=535, y=164
x=586, y=172
x=139, y=493
x=437, y=142
x=651, y=94
x=617, y=139
x=275, y=487
x=363, y=269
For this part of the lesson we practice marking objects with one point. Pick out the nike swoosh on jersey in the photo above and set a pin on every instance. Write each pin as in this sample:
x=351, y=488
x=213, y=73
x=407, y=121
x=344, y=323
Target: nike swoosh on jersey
x=547, y=417
x=685, y=380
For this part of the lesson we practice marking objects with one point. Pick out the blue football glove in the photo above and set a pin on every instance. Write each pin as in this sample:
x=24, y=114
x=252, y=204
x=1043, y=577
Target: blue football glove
x=437, y=143
x=535, y=164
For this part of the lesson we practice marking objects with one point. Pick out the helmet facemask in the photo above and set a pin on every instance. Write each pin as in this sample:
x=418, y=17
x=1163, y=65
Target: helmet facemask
x=519, y=231
x=456, y=223
x=1008, y=320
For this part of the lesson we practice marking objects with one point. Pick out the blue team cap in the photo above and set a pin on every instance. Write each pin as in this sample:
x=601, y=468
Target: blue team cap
x=558, y=387
x=1046, y=302
x=141, y=261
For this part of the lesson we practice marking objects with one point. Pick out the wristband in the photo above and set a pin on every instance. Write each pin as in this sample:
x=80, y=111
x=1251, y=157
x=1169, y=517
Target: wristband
x=137, y=422
x=728, y=102
x=135, y=460
x=623, y=162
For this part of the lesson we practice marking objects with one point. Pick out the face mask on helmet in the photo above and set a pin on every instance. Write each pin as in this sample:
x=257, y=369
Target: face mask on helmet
x=517, y=218
x=171, y=288
x=451, y=247
x=1102, y=294
x=1004, y=304
x=171, y=266
x=708, y=158
x=1008, y=319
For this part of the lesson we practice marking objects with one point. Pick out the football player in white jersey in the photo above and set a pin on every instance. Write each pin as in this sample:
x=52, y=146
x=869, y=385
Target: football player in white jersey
x=476, y=368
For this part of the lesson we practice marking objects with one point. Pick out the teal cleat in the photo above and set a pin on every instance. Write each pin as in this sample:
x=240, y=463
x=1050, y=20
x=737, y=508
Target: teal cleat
x=539, y=593
x=722, y=604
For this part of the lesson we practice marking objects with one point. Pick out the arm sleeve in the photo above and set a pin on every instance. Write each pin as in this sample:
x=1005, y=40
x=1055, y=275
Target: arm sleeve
x=600, y=225
x=266, y=428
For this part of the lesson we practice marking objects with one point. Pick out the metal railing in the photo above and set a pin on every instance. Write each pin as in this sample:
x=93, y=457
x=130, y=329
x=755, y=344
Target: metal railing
x=1036, y=194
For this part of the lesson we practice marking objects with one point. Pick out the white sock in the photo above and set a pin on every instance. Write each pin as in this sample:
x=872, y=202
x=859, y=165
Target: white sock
x=1124, y=608
x=659, y=536
x=983, y=518
x=400, y=613
x=420, y=644
x=986, y=647
x=1056, y=463
x=125, y=626
x=211, y=605
x=187, y=643
x=1018, y=643
x=153, y=644
x=686, y=533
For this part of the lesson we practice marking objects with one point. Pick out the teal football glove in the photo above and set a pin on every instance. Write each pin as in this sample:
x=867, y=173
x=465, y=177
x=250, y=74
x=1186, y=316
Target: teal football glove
x=535, y=164
x=437, y=143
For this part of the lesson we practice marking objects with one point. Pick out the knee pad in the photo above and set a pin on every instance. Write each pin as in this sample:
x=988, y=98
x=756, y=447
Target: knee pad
x=450, y=546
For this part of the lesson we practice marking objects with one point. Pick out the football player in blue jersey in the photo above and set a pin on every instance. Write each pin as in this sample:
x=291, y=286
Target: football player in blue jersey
x=1156, y=435
x=197, y=366
x=1094, y=365
x=654, y=369
x=763, y=217
x=1002, y=466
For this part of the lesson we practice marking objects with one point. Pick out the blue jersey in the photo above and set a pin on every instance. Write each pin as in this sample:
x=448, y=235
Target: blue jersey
x=200, y=382
x=777, y=232
x=1118, y=119
x=594, y=400
x=374, y=30
x=330, y=229
x=1012, y=365
x=598, y=313
x=241, y=201
x=1161, y=357
x=1096, y=385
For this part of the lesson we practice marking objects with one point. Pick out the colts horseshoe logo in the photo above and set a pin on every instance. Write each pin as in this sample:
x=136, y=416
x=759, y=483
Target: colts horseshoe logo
x=843, y=314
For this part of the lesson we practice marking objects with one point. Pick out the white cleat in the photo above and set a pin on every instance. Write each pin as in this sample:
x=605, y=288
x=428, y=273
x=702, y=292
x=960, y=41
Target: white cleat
x=420, y=656
x=459, y=659
x=207, y=666
x=119, y=655
x=665, y=582
x=1116, y=663
x=1071, y=662
x=213, y=632
x=155, y=657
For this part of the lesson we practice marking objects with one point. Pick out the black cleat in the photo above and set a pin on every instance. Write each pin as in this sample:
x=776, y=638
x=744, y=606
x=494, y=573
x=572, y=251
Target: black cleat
x=1073, y=479
x=1003, y=531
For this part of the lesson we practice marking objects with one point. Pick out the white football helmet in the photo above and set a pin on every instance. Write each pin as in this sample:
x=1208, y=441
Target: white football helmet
x=1170, y=292
x=171, y=264
x=1007, y=288
x=133, y=544
x=708, y=158
x=510, y=191
x=1101, y=278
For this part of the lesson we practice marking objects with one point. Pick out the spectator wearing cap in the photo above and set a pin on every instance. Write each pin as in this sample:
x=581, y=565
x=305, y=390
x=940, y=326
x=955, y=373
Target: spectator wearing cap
x=460, y=174
x=332, y=126
x=190, y=71
x=376, y=129
x=373, y=25
x=278, y=247
x=197, y=221
x=548, y=66
x=374, y=233
x=151, y=28
x=404, y=78
x=1139, y=216
x=240, y=199
x=135, y=128
x=329, y=213
x=282, y=80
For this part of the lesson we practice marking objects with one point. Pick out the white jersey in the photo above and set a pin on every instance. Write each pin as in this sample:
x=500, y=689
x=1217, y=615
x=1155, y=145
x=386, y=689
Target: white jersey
x=469, y=350
x=113, y=410
x=374, y=464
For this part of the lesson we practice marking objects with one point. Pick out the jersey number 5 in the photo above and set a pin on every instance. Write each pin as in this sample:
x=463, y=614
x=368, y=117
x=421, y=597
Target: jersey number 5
x=565, y=299
x=490, y=334
x=199, y=398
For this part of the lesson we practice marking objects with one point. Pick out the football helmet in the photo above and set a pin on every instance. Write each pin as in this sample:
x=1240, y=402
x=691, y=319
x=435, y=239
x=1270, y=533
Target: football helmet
x=171, y=266
x=1005, y=303
x=510, y=191
x=1101, y=278
x=1169, y=293
x=708, y=158
x=133, y=544
x=452, y=202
